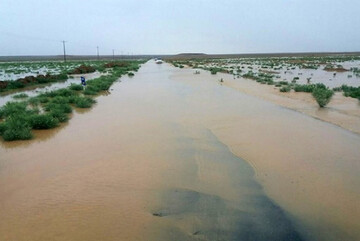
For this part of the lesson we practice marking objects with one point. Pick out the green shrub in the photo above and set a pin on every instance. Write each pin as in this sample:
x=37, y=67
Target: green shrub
x=59, y=115
x=17, y=128
x=63, y=107
x=285, y=89
x=20, y=96
x=38, y=100
x=84, y=102
x=309, y=87
x=76, y=87
x=90, y=91
x=350, y=91
x=13, y=108
x=131, y=74
x=2, y=127
x=61, y=92
x=283, y=82
x=15, y=85
x=45, y=121
x=322, y=96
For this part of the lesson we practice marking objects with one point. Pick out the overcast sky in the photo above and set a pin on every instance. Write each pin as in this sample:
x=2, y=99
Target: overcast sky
x=36, y=27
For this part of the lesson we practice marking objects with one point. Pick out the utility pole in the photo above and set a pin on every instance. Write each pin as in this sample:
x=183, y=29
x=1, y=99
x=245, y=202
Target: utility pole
x=97, y=47
x=64, y=50
x=113, y=55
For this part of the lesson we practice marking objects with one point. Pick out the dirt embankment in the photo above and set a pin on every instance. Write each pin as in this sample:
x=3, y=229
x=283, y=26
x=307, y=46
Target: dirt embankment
x=30, y=80
x=340, y=69
x=83, y=69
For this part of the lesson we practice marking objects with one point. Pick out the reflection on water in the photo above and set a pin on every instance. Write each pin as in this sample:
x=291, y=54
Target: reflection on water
x=217, y=198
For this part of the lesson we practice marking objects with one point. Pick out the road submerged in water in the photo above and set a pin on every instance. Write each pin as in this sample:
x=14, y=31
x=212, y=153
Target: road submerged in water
x=169, y=155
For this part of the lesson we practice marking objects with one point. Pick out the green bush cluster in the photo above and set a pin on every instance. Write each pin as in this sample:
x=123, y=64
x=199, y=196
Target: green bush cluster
x=309, y=88
x=44, y=121
x=20, y=96
x=349, y=91
x=16, y=128
x=322, y=96
x=285, y=89
x=84, y=102
x=76, y=87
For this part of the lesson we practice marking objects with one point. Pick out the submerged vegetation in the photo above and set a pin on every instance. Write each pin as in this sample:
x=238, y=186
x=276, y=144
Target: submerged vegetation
x=289, y=73
x=31, y=80
x=18, y=75
x=49, y=109
x=83, y=69
x=349, y=91
x=322, y=96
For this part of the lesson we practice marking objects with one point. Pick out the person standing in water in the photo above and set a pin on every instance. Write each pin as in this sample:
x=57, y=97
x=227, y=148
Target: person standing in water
x=83, y=81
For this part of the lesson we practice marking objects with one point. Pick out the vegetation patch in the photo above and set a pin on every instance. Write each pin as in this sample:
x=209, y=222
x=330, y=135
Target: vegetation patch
x=84, y=102
x=349, y=91
x=76, y=87
x=20, y=96
x=83, y=69
x=285, y=89
x=45, y=121
x=16, y=127
x=309, y=88
x=322, y=96
x=48, y=109
x=31, y=80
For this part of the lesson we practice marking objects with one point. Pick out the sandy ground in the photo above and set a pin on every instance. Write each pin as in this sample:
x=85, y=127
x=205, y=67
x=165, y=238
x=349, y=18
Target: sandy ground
x=169, y=155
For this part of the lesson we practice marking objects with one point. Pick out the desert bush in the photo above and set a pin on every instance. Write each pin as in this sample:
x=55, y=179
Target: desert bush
x=90, y=91
x=322, y=96
x=59, y=115
x=285, y=89
x=16, y=128
x=2, y=127
x=13, y=108
x=350, y=91
x=76, y=87
x=309, y=87
x=20, y=96
x=15, y=85
x=84, y=102
x=283, y=82
x=44, y=121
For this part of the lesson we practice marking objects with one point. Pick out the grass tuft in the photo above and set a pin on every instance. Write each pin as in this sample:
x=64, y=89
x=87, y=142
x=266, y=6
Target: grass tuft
x=44, y=121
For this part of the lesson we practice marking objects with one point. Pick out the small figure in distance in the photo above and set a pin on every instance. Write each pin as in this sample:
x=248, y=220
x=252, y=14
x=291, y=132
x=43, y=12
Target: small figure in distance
x=221, y=80
x=83, y=81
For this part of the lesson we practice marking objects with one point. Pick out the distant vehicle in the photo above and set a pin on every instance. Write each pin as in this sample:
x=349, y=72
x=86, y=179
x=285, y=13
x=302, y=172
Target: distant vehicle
x=158, y=61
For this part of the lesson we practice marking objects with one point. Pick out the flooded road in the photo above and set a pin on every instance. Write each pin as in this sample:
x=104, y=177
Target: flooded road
x=169, y=155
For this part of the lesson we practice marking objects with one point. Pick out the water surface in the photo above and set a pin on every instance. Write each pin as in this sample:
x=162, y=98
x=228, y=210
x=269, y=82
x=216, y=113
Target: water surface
x=169, y=155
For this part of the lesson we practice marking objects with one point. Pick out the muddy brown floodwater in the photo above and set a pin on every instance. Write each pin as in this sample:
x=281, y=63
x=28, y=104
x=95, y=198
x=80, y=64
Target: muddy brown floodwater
x=169, y=155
